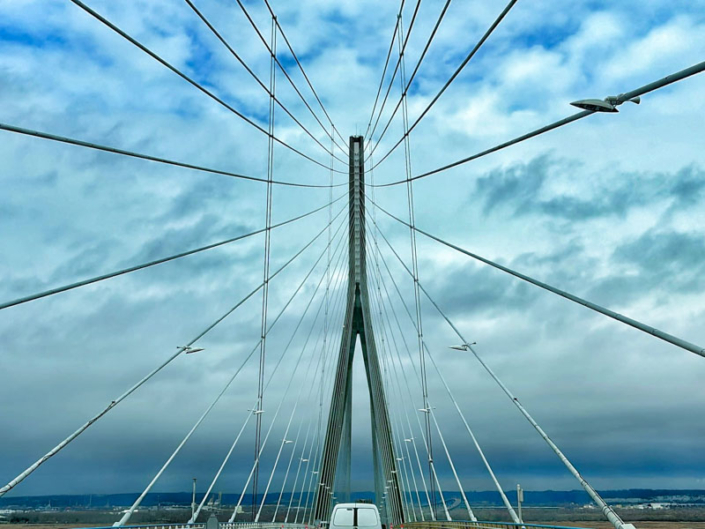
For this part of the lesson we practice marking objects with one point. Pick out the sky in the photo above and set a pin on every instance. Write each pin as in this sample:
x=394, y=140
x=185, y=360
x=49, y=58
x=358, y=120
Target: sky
x=610, y=208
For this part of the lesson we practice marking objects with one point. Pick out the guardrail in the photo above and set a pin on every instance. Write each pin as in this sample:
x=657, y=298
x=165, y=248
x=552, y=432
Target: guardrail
x=410, y=525
x=482, y=525
x=265, y=525
x=217, y=525
x=158, y=526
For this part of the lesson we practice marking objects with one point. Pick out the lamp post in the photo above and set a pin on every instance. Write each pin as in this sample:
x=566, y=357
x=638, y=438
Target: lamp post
x=193, y=501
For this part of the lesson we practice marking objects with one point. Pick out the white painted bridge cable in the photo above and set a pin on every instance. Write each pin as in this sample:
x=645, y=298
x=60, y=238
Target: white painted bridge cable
x=407, y=464
x=283, y=70
x=189, y=80
x=176, y=451
x=23, y=475
x=383, y=329
x=291, y=460
x=400, y=435
x=313, y=458
x=415, y=268
x=312, y=493
x=65, y=288
x=296, y=403
x=266, y=437
x=310, y=489
x=386, y=329
x=505, y=500
x=409, y=81
x=302, y=460
x=386, y=381
x=284, y=439
x=440, y=433
x=249, y=415
x=674, y=340
x=257, y=79
x=338, y=247
x=312, y=452
x=232, y=518
x=433, y=475
x=265, y=271
x=399, y=65
x=308, y=81
x=452, y=466
x=621, y=98
x=607, y=511
x=308, y=428
x=270, y=427
x=298, y=397
x=411, y=436
x=405, y=447
x=407, y=469
x=410, y=463
x=310, y=460
x=220, y=470
x=384, y=71
x=288, y=467
x=132, y=154
x=467, y=59
x=393, y=411
x=138, y=501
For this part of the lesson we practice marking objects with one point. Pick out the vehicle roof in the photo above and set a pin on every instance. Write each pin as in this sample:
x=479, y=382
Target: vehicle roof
x=356, y=504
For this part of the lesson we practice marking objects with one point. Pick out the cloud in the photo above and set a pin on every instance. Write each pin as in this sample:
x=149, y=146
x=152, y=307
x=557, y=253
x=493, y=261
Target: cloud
x=609, y=208
x=526, y=188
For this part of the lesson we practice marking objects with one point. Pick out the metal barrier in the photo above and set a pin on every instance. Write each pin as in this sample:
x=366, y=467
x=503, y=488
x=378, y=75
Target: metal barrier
x=221, y=525
x=158, y=526
x=410, y=525
x=265, y=525
x=482, y=525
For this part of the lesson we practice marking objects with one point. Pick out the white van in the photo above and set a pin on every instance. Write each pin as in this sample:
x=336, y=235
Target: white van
x=355, y=515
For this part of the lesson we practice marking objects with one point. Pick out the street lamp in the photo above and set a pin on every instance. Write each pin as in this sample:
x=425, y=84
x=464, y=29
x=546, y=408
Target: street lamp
x=189, y=350
x=193, y=500
x=608, y=104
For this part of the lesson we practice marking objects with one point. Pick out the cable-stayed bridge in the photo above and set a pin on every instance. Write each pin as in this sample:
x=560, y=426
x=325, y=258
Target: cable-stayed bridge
x=355, y=297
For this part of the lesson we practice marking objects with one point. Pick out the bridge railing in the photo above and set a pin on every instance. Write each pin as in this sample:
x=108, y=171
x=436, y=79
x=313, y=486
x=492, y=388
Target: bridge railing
x=221, y=525
x=266, y=525
x=481, y=525
x=410, y=525
x=158, y=526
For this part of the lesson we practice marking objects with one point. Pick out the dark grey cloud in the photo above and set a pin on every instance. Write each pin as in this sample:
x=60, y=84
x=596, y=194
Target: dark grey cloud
x=666, y=263
x=625, y=235
x=522, y=190
x=673, y=253
x=475, y=289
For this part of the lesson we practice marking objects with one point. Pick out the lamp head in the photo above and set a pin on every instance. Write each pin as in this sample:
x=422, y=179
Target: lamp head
x=595, y=105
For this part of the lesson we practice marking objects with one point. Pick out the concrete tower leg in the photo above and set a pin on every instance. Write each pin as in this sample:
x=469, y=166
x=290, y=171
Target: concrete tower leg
x=358, y=323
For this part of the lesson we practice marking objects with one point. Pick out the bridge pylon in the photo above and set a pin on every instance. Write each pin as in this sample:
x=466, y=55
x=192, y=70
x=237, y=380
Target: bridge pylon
x=358, y=322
